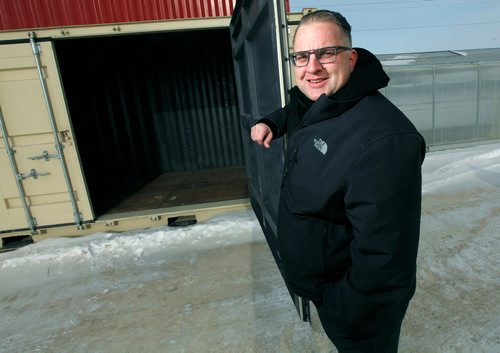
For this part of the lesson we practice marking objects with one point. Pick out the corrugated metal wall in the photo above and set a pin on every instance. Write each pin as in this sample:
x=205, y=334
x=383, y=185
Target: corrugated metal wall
x=20, y=14
x=16, y=14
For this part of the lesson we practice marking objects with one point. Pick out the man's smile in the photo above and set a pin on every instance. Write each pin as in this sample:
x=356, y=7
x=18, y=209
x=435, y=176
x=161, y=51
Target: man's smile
x=317, y=80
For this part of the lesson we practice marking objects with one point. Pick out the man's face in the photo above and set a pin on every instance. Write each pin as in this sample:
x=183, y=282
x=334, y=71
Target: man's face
x=314, y=79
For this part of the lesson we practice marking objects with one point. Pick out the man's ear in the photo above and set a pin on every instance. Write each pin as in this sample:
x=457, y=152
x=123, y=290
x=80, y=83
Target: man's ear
x=353, y=58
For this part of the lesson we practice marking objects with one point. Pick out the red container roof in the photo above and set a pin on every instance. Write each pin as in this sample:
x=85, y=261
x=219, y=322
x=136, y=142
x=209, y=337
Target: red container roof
x=21, y=14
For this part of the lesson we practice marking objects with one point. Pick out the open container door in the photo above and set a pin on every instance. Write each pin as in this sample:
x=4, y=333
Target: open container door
x=41, y=181
x=259, y=39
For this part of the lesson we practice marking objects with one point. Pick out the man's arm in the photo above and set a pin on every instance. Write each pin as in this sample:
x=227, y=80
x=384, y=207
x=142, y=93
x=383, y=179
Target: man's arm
x=272, y=126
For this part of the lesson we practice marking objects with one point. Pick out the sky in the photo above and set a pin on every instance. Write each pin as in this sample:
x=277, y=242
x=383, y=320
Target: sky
x=409, y=26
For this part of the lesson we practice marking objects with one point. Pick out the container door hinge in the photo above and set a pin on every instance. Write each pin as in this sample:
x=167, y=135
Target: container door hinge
x=45, y=155
x=32, y=174
x=79, y=221
x=33, y=223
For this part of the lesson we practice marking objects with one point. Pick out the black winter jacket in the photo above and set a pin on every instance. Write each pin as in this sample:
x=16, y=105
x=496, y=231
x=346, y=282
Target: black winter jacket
x=350, y=203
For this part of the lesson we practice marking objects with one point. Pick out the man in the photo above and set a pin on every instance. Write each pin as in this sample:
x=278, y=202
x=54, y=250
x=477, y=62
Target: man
x=349, y=212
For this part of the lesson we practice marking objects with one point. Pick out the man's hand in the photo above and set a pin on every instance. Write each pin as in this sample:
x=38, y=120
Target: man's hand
x=262, y=134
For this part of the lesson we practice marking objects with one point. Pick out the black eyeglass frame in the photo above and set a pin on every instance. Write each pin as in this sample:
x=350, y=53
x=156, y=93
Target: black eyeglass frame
x=337, y=48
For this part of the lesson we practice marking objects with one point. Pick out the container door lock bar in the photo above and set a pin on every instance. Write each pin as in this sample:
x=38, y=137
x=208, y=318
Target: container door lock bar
x=32, y=174
x=20, y=188
x=45, y=155
x=36, y=54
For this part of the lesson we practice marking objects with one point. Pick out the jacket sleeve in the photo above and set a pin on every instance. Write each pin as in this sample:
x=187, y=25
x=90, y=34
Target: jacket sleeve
x=280, y=120
x=383, y=205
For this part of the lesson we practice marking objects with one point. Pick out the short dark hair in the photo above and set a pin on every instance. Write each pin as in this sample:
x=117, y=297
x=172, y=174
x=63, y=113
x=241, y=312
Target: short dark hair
x=327, y=16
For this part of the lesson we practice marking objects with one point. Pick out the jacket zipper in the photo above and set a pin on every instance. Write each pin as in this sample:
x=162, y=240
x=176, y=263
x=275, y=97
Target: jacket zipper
x=289, y=168
x=326, y=245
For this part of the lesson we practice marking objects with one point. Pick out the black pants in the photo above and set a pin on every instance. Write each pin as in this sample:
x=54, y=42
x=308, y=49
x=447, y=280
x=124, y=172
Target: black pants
x=384, y=339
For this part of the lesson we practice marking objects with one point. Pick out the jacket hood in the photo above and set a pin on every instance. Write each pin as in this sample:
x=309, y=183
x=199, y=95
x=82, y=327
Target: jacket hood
x=367, y=78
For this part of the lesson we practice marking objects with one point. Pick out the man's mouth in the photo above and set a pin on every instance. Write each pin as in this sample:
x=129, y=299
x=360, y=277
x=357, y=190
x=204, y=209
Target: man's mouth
x=317, y=80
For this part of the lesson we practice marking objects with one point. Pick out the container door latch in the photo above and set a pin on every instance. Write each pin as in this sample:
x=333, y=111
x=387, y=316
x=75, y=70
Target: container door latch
x=45, y=155
x=32, y=174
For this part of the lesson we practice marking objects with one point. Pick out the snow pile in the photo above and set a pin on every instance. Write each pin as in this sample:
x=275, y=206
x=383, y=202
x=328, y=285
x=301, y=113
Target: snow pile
x=473, y=167
x=104, y=250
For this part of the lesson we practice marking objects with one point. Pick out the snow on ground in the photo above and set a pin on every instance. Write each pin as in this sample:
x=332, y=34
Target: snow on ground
x=214, y=287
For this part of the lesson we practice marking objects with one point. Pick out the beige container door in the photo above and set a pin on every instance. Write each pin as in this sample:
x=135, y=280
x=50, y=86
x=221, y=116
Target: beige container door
x=30, y=134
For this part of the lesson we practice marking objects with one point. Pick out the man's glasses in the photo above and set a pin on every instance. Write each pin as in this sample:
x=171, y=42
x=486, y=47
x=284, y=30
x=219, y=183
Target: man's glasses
x=323, y=55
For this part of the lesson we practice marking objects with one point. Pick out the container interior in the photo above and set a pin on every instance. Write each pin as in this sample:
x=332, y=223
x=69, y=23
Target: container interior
x=155, y=118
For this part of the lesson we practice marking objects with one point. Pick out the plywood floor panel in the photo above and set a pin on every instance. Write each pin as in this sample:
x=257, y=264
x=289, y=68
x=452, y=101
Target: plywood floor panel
x=186, y=188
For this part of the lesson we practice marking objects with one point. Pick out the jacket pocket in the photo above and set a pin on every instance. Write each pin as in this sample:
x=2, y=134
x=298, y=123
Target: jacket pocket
x=336, y=250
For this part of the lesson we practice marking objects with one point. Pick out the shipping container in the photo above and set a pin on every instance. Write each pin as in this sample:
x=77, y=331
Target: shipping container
x=116, y=127
x=112, y=123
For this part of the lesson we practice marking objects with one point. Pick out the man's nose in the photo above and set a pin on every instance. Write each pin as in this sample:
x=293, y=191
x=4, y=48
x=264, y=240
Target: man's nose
x=313, y=65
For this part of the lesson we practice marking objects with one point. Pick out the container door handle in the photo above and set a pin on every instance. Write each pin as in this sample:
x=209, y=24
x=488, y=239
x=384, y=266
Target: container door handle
x=32, y=174
x=45, y=155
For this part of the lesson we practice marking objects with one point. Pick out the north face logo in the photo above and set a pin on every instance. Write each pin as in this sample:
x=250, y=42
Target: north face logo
x=321, y=145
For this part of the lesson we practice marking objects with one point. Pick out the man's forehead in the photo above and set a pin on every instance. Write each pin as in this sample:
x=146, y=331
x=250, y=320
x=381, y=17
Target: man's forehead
x=336, y=36
x=314, y=26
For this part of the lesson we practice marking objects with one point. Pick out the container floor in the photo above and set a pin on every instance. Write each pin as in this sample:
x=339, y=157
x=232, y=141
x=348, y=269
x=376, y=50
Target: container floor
x=187, y=188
